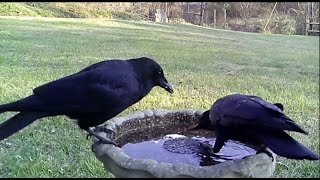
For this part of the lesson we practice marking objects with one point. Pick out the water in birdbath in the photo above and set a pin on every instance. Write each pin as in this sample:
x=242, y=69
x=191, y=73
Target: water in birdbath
x=186, y=149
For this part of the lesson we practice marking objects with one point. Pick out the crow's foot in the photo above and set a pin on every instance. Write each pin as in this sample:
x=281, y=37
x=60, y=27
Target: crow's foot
x=264, y=150
x=104, y=129
x=101, y=139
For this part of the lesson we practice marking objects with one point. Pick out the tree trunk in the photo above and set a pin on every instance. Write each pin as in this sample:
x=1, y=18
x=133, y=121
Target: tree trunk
x=201, y=13
x=214, y=17
x=225, y=18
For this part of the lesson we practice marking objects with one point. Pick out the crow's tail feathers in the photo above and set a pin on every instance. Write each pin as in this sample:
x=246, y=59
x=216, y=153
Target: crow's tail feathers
x=18, y=122
x=26, y=104
x=284, y=145
x=3, y=108
x=293, y=126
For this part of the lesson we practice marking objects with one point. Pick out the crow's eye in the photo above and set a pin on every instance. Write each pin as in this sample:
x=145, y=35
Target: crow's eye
x=160, y=72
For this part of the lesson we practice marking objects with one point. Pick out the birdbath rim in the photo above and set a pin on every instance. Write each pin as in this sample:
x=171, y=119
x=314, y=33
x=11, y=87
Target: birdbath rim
x=116, y=161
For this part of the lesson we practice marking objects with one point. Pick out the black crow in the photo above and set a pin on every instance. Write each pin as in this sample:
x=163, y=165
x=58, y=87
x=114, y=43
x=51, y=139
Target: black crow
x=251, y=119
x=90, y=96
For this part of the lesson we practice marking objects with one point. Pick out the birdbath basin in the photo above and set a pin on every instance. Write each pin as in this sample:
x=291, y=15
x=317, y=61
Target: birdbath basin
x=158, y=143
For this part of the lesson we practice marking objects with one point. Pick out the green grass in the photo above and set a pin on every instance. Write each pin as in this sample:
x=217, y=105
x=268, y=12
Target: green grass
x=65, y=10
x=203, y=64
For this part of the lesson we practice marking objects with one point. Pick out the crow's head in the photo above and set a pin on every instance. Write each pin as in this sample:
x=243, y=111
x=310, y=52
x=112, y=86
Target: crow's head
x=151, y=73
x=204, y=122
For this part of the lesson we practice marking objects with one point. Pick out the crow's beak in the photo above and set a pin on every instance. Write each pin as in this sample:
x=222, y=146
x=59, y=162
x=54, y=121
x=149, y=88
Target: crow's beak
x=165, y=85
x=197, y=127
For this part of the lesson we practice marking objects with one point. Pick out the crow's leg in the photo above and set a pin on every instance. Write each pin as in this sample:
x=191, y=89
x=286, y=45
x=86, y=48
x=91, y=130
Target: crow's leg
x=206, y=147
x=208, y=151
x=263, y=149
x=101, y=139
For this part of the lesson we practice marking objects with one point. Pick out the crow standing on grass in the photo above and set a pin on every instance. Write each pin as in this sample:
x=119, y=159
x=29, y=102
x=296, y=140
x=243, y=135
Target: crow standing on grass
x=250, y=119
x=91, y=96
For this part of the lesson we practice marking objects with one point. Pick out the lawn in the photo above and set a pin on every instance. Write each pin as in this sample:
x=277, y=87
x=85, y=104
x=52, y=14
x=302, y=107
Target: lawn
x=202, y=63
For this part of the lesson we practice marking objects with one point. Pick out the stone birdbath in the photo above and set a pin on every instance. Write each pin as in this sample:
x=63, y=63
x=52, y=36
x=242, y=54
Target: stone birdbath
x=146, y=149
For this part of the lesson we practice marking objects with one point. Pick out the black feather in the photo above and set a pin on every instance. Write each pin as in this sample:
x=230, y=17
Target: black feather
x=251, y=119
x=91, y=96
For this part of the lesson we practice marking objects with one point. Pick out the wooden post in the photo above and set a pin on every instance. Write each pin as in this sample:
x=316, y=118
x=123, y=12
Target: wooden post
x=274, y=7
x=225, y=18
x=166, y=9
x=201, y=13
x=182, y=12
x=214, y=18
x=188, y=5
x=308, y=17
x=206, y=17
x=306, y=20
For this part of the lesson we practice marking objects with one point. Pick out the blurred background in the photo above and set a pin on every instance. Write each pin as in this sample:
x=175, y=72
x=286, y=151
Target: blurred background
x=290, y=18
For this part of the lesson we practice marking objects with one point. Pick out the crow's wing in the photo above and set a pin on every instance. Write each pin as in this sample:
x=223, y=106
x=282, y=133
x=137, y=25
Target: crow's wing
x=284, y=145
x=253, y=112
x=91, y=90
x=100, y=64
